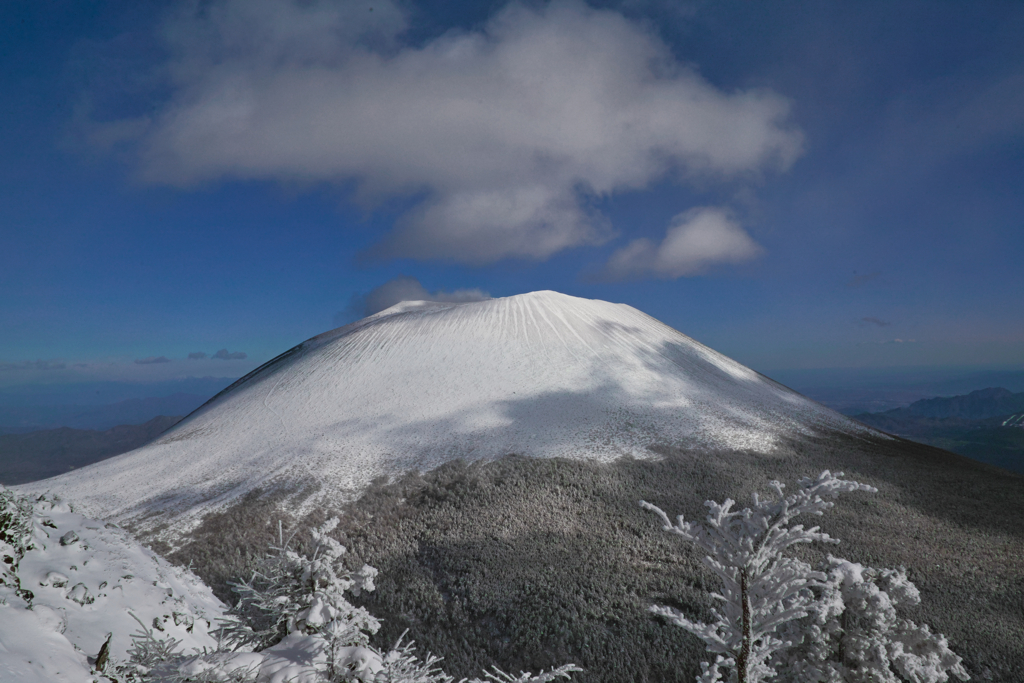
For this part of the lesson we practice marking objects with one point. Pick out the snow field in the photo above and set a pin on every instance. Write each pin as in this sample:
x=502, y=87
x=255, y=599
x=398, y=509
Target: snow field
x=85, y=580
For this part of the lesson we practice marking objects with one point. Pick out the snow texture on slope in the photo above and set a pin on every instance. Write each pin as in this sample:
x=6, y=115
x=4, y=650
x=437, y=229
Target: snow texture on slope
x=86, y=580
x=540, y=375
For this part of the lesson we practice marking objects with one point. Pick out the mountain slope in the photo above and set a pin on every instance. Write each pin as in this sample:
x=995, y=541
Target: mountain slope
x=540, y=375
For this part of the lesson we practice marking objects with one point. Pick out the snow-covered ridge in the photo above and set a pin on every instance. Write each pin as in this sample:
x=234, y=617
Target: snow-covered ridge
x=81, y=580
x=540, y=374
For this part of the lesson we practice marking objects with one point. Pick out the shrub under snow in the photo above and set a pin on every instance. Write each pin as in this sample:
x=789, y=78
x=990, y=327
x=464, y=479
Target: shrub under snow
x=855, y=635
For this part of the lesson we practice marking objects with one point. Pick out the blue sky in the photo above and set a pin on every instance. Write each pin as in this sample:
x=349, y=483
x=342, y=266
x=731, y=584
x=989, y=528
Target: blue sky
x=797, y=185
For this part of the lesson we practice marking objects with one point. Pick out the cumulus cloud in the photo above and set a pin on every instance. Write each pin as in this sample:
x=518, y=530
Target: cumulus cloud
x=503, y=132
x=695, y=240
x=223, y=354
x=197, y=355
x=152, y=360
x=403, y=288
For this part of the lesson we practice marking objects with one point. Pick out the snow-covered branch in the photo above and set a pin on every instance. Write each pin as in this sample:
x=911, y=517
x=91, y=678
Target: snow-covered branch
x=779, y=617
x=761, y=588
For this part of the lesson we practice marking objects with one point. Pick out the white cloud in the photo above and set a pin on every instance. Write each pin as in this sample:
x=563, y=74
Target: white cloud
x=504, y=131
x=695, y=240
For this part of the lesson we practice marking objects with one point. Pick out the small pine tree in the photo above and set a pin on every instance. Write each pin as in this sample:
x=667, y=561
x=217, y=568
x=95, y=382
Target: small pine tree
x=291, y=593
x=762, y=589
x=299, y=598
x=496, y=675
x=402, y=665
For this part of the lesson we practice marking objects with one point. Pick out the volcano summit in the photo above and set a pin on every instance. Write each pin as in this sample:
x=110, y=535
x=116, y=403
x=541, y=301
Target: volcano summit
x=419, y=384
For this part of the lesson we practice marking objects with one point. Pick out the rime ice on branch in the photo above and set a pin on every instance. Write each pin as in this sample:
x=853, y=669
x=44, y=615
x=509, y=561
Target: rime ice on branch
x=777, y=614
x=761, y=588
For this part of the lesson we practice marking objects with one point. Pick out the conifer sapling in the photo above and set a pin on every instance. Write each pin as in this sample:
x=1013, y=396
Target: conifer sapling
x=780, y=618
x=762, y=589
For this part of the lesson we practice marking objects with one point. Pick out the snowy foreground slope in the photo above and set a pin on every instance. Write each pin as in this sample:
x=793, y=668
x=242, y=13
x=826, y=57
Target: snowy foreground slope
x=81, y=580
x=540, y=375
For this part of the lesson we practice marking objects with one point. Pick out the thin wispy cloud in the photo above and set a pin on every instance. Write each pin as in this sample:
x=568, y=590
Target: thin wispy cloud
x=403, y=288
x=152, y=360
x=695, y=241
x=197, y=355
x=224, y=354
x=863, y=279
x=964, y=116
x=874, y=321
x=888, y=341
x=33, y=365
x=506, y=132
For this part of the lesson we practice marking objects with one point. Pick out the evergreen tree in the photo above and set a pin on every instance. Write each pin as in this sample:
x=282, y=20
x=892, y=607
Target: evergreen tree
x=779, y=617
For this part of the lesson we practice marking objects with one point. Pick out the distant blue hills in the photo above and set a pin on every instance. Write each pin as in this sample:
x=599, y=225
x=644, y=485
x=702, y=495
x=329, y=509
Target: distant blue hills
x=102, y=405
x=23, y=419
x=986, y=425
x=977, y=405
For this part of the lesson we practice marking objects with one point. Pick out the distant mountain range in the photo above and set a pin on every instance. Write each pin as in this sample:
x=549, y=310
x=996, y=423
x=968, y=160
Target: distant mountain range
x=49, y=452
x=15, y=419
x=986, y=425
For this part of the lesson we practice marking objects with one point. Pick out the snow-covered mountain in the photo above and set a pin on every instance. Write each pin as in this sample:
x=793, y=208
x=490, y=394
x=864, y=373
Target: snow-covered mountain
x=540, y=375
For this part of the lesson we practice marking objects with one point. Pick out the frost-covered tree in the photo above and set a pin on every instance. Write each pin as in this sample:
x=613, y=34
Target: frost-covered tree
x=15, y=533
x=291, y=593
x=293, y=611
x=780, y=618
x=499, y=676
x=402, y=665
x=857, y=636
x=762, y=589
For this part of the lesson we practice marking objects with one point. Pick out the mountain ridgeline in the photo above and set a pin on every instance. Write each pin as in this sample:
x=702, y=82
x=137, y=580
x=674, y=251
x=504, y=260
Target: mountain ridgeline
x=977, y=405
x=987, y=425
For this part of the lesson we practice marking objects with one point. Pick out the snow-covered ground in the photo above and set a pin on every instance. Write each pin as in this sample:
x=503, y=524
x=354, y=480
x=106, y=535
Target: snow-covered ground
x=82, y=580
x=540, y=374
x=83, y=602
